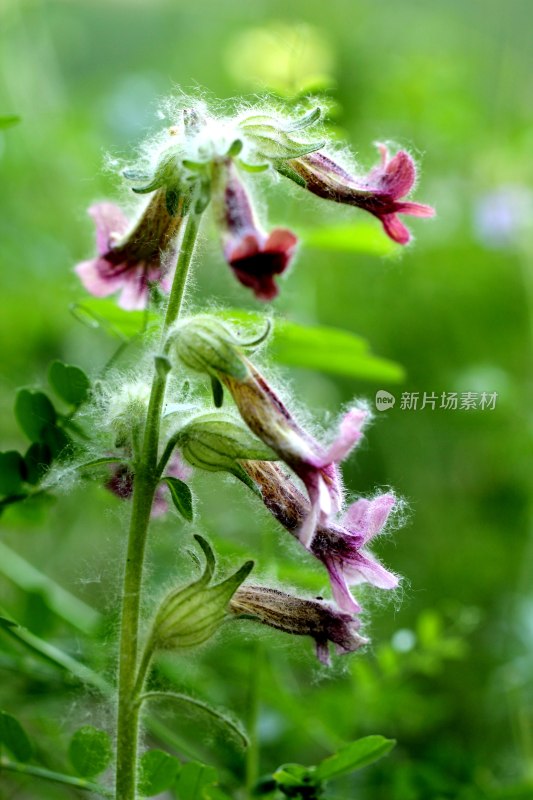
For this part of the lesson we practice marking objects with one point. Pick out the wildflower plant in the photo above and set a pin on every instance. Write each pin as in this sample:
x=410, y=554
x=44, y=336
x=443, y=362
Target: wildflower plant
x=204, y=403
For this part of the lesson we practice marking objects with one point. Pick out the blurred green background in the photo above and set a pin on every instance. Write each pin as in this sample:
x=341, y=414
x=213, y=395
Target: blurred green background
x=449, y=672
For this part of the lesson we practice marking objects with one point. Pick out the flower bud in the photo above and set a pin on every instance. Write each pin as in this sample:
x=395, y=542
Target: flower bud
x=300, y=617
x=190, y=616
x=216, y=443
x=205, y=344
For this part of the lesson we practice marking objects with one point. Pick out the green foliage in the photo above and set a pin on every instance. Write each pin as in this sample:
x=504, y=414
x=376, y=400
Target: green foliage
x=195, y=781
x=12, y=472
x=8, y=120
x=70, y=383
x=90, y=751
x=157, y=771
x=359, y=237
x=14, y=737
x=354, y=756
x=35, y=414
x=181, y=497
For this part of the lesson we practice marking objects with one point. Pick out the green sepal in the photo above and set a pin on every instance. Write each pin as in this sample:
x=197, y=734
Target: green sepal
x=283, y=168
x=181, y=496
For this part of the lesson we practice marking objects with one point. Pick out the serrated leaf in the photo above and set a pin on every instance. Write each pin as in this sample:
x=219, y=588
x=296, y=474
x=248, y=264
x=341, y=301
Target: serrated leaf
x=355, y=756
x=181, y=497
x=90, y=751
x=321, y=348
x=7, y=120
x=14, y=737
x=12, y=472
x=69, y=382
x=357, y=237
x=34, y=412
x=194, y=779
x=157, y=772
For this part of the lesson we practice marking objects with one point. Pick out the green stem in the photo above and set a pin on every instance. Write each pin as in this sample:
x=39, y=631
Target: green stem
x=145, y=484
x=56, y=777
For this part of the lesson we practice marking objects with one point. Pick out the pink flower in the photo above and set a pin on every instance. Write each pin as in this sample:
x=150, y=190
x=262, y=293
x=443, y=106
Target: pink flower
x=129, y=262
x=340, y=547
x=254, y=256
x=380, y=192
x=316, y=465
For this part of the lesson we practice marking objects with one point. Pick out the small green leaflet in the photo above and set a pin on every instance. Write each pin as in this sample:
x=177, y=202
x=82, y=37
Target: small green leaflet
x=13, y=736
x=90, y=751
x=70, y=383
x=354, y=756
x=195, y=780
x=35, y=413
x=12, y=472
x=157, y=772
x=181, y=497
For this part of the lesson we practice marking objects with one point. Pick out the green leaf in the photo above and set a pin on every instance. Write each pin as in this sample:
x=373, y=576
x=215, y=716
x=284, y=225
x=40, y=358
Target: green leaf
x=355, y=756
x=12, y=472
x=56, y=439
x=36, y=461
x=358, y=237
x=7, y=120
x=194, y=779
x=157, y=772
x=99, y=312
x=181, y=496
x=14, y=737
x=71, y=383
x=34, y=412
x=90, y=751
x=323, y=349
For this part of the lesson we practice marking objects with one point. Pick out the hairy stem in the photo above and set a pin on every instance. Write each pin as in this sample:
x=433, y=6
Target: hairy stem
x=145, y=484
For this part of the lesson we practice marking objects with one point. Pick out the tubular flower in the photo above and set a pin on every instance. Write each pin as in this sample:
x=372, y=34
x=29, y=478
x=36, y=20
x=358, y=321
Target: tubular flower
x=380, y=192
x=254, y=256
x=314, y=464
x=300, y=617
x=129, y=262
x=207, y=345
x=340, y=547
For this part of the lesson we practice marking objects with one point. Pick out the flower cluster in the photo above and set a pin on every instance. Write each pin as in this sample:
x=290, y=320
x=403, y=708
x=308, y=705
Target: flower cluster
x=203, y=159
x=338, y=536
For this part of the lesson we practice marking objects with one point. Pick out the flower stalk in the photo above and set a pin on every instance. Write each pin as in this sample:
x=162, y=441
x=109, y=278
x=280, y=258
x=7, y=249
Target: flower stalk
x=146, y=479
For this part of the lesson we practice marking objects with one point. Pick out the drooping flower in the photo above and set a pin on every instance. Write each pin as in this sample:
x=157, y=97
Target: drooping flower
x=255, y=257
x=130, y=261
x=122, y=480
x=207, y=345
x=314, y=463
x=341, y=547
x=380, y=192
x=300, y=617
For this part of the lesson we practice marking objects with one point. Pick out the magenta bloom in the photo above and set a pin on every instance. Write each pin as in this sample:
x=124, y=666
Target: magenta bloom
x=340, y=547
x=316, y=465
x=129, y=263
x=380, y=192
x=254, y=256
